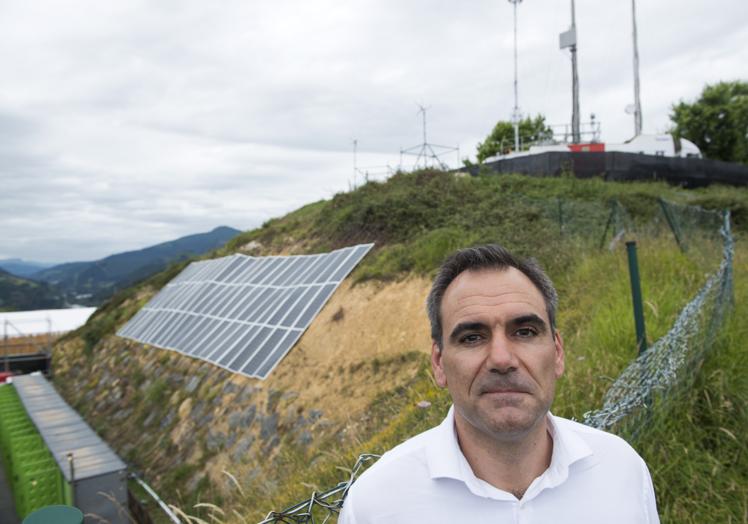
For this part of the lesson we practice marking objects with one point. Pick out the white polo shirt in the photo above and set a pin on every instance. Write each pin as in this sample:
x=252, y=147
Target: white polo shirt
x=594, y=477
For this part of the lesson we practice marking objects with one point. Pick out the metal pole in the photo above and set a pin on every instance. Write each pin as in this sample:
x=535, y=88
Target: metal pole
x=576, y=135
x=636, y=297
x=637, y=99
x=355, y=165
x=673, y=225
x=611, y=217
x=158, y=500
x=5, y=345
x=49, y=335
x=423, y=110
x=71, y=465
x=515, y=113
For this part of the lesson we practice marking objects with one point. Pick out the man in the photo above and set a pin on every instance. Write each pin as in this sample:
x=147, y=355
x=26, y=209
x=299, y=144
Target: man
x=500, y=456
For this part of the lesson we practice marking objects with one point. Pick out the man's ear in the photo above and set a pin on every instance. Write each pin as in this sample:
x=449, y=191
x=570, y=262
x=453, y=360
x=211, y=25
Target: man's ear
x=436, y=365
x=559, y=361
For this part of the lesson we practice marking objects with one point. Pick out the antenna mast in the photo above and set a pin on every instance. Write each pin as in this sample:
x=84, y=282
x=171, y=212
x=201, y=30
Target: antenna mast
x=569, y=39
x=422, y=110
x=516, y=115
x=637, y=99
x=576, y=136
x=355, y=163
x=427, y=152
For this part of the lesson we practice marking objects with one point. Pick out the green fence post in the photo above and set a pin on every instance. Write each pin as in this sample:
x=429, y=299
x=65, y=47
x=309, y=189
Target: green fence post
x=612, y=214
x=636, y=297
x=674, y=227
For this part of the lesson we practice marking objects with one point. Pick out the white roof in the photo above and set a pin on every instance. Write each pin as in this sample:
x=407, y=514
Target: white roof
x=40, y=321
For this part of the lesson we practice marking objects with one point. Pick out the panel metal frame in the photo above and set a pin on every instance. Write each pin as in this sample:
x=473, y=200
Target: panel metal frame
x=242, y=313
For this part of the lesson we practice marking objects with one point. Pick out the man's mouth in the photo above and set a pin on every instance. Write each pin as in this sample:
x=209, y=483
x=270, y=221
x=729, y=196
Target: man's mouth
x=505, y=388
x=502, y=391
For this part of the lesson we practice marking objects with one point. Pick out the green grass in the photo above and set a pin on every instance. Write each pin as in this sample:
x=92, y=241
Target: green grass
x=695, y=446
x=596, y=318
x=156, y=392
x=697, y=450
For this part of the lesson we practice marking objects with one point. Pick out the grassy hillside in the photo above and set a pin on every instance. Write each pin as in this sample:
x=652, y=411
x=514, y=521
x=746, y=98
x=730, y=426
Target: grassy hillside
x=22, y=294
x=354, y=380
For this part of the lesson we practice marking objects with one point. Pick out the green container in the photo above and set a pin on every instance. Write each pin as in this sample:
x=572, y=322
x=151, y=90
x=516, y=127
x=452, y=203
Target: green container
x=26, y=443
x=13, y=421
x=35, y=484
x=35, y=478
x=37, y=488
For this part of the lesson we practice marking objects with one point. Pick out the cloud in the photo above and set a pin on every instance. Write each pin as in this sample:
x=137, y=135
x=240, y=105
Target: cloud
x=127, y=124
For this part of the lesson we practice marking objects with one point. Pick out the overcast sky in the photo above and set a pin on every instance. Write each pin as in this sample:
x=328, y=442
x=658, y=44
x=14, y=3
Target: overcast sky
x=124, y=124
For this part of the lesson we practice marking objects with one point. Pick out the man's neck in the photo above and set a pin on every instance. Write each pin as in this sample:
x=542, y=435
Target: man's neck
x=507, y=464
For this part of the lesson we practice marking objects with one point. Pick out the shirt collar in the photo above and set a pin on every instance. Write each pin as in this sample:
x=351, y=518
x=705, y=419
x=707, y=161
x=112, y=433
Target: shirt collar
x=446, y=460
x=443, y=452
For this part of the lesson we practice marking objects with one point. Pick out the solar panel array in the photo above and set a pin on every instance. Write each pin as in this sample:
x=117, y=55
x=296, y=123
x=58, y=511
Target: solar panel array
x=240, y=312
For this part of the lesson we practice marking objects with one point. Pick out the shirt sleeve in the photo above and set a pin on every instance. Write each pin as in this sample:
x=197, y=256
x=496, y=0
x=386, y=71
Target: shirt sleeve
x=648, y=496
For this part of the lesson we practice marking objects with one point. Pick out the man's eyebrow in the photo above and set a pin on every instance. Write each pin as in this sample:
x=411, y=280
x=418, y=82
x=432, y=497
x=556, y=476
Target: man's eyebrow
x=530, y=318
x=465, y=326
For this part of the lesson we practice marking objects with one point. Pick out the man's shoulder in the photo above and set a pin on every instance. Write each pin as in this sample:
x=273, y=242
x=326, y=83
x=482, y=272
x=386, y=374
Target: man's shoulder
x=601, y=443
x=393, y=482
x=400, y=459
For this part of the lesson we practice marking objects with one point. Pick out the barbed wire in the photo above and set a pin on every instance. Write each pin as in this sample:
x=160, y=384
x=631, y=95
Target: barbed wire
x=657, y=371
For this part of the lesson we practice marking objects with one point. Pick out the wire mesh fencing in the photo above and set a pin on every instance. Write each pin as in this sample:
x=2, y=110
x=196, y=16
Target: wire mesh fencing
x=670, y=362
x=653, y=376
x=323, y=506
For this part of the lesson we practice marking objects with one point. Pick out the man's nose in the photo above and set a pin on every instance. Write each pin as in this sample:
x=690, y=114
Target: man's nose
x=501, y=357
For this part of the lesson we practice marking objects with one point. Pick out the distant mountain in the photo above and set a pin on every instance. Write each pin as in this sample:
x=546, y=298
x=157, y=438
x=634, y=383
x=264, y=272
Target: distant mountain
x=91, y=283
x=21, y=294
x=22, y=268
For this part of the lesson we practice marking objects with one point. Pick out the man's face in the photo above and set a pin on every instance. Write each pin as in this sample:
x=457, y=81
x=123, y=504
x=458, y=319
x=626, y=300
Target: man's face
x=500, y=359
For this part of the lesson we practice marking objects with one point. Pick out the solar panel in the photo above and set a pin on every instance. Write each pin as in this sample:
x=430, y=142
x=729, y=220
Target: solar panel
x=240, y=312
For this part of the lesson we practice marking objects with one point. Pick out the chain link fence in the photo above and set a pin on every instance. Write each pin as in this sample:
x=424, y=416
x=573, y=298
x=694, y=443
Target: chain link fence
x=670, y=362
x=652, y=377
x=320, y=507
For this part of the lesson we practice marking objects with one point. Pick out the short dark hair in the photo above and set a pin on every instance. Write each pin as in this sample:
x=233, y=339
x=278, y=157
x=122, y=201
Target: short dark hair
x=489, y=256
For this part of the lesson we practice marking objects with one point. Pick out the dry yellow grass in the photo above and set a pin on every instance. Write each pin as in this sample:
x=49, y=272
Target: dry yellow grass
x=359, y=324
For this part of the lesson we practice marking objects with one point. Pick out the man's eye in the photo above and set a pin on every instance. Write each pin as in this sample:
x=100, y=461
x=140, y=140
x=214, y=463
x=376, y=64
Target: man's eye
x=526, y=332
x=472, y=338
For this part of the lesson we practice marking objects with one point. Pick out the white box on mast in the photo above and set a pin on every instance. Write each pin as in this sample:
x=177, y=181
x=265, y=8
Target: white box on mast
x=568, y=38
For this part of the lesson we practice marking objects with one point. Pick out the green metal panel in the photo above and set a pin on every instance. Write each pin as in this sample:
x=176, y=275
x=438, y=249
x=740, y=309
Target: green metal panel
x=37, y=486
x=34, y=477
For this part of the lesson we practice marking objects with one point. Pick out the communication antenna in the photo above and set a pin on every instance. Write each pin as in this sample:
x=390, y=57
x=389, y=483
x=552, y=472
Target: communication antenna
x=637, y=99
x=516, y=115
x=426, y=154
x=568, y=39
x=422, y=110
